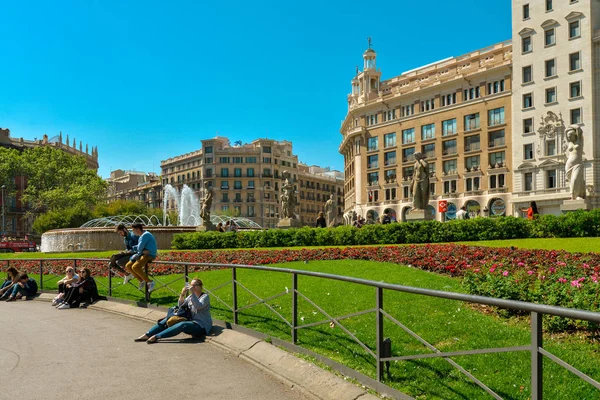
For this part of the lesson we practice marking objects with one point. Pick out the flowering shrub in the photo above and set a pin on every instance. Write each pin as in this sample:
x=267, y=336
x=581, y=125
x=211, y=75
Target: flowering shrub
x=539, y=276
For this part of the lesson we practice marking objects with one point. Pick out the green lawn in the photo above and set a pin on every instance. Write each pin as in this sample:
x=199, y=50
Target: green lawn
x=446, y=324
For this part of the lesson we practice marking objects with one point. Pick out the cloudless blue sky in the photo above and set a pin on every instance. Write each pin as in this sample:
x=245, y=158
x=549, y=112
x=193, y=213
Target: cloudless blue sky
x=147, y=80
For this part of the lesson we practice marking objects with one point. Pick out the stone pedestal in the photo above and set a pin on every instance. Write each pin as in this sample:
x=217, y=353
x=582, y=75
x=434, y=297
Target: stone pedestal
x=288, y=223
x=206, y=228
x=574, y=205
x=418, y=215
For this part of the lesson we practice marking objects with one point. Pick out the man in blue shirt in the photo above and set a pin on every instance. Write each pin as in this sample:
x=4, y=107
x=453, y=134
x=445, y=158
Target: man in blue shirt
x=119, y=260
x=144, y=252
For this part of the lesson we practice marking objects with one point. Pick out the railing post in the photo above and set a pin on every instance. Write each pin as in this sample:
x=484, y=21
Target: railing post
x=41, y=274
x=234, y=294
x=109, y=281
x=146, y=293
x=537, y=361
x=186, y=272
x=294, y=307
x=379, y=328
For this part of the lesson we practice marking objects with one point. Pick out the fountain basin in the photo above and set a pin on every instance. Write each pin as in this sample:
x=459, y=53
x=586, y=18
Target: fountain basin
x=100, y=239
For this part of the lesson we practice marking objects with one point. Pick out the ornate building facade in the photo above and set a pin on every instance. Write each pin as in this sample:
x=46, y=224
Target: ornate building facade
x=456, y=112
x=135, y=185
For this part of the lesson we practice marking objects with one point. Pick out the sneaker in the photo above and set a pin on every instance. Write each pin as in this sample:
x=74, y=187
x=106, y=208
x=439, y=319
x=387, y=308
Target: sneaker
x=150, y=286
x=63, y=306
x=11, y=299
x=54, y=302
x=141, y=286
x=127, y=279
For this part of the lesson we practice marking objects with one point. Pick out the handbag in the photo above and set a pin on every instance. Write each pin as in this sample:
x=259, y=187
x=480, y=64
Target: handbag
x=176, y=315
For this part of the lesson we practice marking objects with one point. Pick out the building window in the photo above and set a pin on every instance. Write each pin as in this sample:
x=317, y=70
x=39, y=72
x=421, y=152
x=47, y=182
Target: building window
x=528, y=125
x=472, y=93
x=408, y=136
x=496, y=138
x=429, y=150
x=496, y=116
x=471, y=121
x=449, y=147
x=548, y=5
x=575, y=89
x=472, y=162
x=408, y=154
x=237, y=185
x=527, y=74
x=266, y=149
x=449, y=167
x=449, y=127
x=526, y=44
x=373, y=144
x=389, y=158
x=497, y=158
x=448, y=99
x=576, y=116
x=223, y=160
x=551, y=95
x=390, y=176
x=389, y=115
x=528, y=180
x=496, y=87
x=208, y=172
x=450, y=186
x=496, y=181
x=373, y=161
x=237, y=172
x=550, y=147
x=224, y=185
x=208, y=149
x=525, y=11
x=250, y=160
x=551, y=179
x=550, y=69
x=408, y=110
x=549, y=37
x=574, y=61
x=574, y=29
x=428, y=131
x=250, y=185
x=373, y=178
x=472, y=143
x=427, y=105
x=528, y=151
x=371, y=119
x=250, y=172
x=389, y=140
x=472, y=184
x=225, y=197
x=527, y=100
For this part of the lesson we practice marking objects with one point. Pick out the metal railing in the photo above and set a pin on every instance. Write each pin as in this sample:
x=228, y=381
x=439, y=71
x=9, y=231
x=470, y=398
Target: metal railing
x=382, y=352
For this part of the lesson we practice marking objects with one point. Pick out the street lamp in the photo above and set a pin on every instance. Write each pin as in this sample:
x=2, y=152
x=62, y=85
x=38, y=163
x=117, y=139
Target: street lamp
x=3, y=189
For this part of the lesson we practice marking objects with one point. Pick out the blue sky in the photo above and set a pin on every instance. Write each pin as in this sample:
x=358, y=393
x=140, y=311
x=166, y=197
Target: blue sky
x=147, y=80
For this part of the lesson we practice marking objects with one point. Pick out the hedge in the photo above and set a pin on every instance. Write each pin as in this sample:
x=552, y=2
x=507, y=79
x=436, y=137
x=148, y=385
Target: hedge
x=575, y=224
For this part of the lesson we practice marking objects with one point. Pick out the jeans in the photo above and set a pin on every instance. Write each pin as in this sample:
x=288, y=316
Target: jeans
x=119, y=260
x=22, y=291
x=136, y=268
x=161, y=330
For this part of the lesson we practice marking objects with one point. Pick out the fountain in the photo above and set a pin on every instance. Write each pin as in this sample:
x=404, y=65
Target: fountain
x=99, y=234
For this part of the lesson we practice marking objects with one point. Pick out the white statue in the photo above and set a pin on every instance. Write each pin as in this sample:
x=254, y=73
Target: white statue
x=330, y=211
x=420, y=182
x=574, y=165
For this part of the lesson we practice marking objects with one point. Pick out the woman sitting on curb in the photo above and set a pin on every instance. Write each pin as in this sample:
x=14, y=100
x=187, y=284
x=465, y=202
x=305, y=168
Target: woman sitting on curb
x=12, y=278
x=84, y=290
x=200, y=324
x=25, y=287
x=64, y=284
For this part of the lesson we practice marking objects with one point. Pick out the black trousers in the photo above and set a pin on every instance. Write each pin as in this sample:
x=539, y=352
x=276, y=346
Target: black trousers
x=119, y=260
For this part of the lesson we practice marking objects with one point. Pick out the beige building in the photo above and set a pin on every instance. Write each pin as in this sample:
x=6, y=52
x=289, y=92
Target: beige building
x=246, y=179
x=455, y=111
x=135, y=185
x=556, y=83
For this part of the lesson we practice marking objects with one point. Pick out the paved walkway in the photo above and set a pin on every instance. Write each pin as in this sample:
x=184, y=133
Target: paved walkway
x=88, y=354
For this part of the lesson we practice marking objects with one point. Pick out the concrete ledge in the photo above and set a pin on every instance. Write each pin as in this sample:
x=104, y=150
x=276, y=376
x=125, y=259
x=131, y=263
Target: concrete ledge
x=302, y=375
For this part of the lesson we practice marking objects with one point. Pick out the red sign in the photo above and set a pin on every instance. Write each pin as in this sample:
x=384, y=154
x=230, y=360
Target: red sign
x=442, y=206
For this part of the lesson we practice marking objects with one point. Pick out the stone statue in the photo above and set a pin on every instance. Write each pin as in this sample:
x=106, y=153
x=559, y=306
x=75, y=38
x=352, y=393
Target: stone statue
x=288, y=197
x=420, y=183
x=206, y=205
x=574, y=164
x=330, y=211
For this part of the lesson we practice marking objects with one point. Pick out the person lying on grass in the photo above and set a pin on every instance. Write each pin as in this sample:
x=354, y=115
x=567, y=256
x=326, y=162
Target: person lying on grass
x=65, y=284
x=83, y=291
x=12, y=278
x=199, y=324
x=25, y=287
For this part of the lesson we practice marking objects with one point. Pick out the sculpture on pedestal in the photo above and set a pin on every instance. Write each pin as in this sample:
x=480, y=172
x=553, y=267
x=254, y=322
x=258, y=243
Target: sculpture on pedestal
x=574, y=164
x=420, y=182
x=288, y=197
x=207, y=200
x=330, y=211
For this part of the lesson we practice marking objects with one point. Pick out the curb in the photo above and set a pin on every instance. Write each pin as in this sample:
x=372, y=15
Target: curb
x=294, y=372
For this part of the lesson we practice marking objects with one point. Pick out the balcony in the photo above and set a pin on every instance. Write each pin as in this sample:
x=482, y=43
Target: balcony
x=496, y=143
x=250, y=200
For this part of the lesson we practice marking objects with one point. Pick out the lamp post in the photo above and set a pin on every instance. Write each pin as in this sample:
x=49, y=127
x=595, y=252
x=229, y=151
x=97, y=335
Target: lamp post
x=3, y=208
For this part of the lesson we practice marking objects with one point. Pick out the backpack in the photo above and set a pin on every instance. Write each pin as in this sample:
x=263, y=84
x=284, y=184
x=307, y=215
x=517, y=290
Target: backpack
x=33, y=287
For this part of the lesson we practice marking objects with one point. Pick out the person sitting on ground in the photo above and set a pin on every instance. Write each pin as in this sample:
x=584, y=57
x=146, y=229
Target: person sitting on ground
x=64, y=284
x=200, y=324
x=12, y=278
x=83, y=291
x=321, y=222
x=144, y=253
x=119, y=260
x=25, y=287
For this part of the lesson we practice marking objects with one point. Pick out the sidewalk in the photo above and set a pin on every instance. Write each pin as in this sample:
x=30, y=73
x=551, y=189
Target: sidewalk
x=295, y=373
